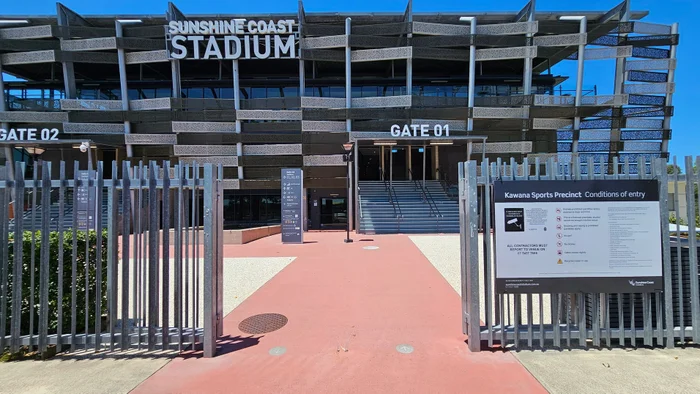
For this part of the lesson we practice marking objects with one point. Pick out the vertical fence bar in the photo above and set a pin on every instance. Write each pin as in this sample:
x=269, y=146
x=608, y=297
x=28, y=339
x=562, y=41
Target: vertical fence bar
x=44, y=253
x=5, y=198
x=488, y=281
x=152, y=256
x=595, y=297
x=112, y=253
x=138, y=177
x=540, y=295
x=99, y=187
x=209, y=342
x=74, y=265
x=620, y=296
x=690, y=179
x=186, y=206
x=220, y=256
x=679, y=266
x=195, y=245
x=178, y=254
x=528, y=297
x=16, y=320
x=87, y=256
x=61, y=217
x=646, y=297
x=462, y=245
x=126, y=236
x=517, y=299
x=166, y=256
x=32, y=269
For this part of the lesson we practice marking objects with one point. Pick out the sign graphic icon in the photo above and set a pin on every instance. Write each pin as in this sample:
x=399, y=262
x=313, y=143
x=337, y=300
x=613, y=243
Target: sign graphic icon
x=560, y=244
x=515, y=219
x=558, y=226
x=560, y=262
x=559, y=252
x=558, y=210
x=559, y=235
x=558, y=218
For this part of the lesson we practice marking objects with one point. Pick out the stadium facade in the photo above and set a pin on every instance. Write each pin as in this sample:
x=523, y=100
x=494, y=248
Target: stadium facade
x=416, y=93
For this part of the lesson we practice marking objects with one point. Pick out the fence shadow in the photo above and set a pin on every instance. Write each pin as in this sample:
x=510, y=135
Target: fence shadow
x=224, y=345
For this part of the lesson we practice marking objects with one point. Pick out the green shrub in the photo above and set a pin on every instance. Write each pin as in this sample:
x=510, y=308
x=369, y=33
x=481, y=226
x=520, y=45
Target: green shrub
x=53, y=280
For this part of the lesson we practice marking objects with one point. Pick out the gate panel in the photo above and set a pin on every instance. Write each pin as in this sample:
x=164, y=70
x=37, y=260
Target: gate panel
x=580, y=319
x=122, y=289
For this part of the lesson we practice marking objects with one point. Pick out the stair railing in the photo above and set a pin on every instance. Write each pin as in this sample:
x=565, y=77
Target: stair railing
x=392, y=193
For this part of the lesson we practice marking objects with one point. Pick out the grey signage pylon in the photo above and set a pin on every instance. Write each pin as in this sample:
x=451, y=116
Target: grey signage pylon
x=292, y=205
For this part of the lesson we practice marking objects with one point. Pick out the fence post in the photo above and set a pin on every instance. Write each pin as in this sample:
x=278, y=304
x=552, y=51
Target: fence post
x=470, y=254
x=210, y=261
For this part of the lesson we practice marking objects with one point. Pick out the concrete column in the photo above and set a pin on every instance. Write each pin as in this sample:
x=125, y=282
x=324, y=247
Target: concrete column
x=437, y=162
x=579, y=87
x=410, y=167
x=356, y=155
x=669, y=96
x=472, y=75
x=615, y=133
x=237, y=106
x=348, y=122
x=121, y=56
x=4, y=125
x=424, y=159
x=527, y=70
x=381, y=159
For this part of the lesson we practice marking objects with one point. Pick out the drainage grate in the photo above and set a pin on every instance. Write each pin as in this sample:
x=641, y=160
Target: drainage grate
x=405, y=349
x=263, y=323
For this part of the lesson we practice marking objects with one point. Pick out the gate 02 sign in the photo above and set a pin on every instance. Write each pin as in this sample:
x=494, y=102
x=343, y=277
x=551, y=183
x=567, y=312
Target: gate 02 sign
x=578, y=236
x=292, y=205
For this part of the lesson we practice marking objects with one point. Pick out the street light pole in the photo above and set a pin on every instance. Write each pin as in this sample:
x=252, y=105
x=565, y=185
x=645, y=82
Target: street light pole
x=348, y=147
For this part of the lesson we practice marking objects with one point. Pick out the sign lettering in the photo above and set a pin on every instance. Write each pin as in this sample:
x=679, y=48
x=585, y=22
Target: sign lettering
x=231, y=39
x=28, y=134
x=420, y=130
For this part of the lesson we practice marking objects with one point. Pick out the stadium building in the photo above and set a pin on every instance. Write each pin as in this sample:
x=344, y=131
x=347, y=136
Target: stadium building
x=415, y=94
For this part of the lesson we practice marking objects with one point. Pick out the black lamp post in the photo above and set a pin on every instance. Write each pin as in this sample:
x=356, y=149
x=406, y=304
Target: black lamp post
x=347, y=157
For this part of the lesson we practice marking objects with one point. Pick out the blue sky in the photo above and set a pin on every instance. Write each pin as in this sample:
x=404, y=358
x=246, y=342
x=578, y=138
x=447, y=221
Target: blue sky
x=600, y=73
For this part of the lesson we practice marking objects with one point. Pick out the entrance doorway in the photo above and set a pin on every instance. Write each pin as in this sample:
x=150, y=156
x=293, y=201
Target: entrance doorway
x=396, y=160
x=419, y=156
x=334, y=212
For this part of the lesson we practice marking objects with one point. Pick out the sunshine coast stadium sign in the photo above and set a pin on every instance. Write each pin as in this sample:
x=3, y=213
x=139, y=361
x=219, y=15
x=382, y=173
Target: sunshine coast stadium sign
x=231, y=39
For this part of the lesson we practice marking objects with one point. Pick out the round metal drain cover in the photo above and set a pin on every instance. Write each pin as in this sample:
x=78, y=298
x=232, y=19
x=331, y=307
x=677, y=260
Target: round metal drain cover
x=405, y=349
x=277, y=351
x=371, y=247
x=263, y=323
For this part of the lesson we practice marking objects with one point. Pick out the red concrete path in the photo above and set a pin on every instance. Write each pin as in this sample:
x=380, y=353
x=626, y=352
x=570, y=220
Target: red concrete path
x=339, y=296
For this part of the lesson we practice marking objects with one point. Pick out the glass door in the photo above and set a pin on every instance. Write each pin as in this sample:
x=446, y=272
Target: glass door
x=334, y=213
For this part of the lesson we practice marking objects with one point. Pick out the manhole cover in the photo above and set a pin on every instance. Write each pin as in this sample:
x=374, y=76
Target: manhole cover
x=371, y=247
x=405, y=349
x=277, y=351
x=263, y=323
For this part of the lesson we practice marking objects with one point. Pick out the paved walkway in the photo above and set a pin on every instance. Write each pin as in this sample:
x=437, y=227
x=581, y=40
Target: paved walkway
x=348, y=308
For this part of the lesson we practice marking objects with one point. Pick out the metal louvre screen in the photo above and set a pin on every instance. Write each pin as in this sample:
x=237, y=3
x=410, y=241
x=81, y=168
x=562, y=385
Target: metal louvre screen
x=530, y=319
x=111, y=258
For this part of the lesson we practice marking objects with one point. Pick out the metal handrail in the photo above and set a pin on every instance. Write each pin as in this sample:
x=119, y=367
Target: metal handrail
x=430, y=199
x=395, y=202
x=359, y=201
x=389, y=189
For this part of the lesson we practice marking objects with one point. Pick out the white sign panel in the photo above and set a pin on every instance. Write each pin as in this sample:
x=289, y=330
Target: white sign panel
x=577, y=236
x=231, y=39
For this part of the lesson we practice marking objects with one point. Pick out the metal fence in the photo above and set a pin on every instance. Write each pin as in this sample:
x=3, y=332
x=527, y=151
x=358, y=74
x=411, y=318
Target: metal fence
x=664, y=318
x=134, y=261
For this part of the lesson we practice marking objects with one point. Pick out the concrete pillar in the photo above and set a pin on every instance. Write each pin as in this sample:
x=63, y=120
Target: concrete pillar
x=121, y=56
x=237, y=106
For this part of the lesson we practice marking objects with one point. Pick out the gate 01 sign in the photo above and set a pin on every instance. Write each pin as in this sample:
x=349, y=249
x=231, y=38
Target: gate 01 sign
x=578, y=236
x=292, y=205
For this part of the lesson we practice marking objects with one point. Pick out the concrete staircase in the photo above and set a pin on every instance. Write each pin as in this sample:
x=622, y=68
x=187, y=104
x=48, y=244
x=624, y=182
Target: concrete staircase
x=407, y=208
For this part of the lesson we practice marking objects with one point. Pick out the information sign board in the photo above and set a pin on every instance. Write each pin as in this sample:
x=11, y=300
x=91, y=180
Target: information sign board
x=593, y=236
x=292, y=205
x=85, y=210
